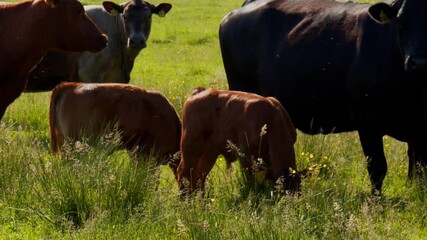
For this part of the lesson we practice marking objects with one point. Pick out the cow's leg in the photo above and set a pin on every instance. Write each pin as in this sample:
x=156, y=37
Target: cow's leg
x=194, y=166
x=57, y=140
x=373, y=149
x=412, y=159
x=192, y=148
x=417, y=153
x=185, y=171
x=3, y=108
x=174, y=162
x=229, y=158
x=248, y=175
x=206, y=163
x=9, y=92
x=189, y=161
x=5, y=101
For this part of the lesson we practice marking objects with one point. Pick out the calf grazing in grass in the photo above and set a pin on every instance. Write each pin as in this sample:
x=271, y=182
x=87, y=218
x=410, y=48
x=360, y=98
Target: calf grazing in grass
x=212, y=118
x=30, y=29
x=146, y=120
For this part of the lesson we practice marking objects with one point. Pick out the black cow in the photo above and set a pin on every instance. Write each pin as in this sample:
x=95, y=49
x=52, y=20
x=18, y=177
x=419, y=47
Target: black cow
x=337, y=67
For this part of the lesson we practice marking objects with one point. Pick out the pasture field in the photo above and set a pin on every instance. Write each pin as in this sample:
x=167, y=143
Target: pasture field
x=96, y=193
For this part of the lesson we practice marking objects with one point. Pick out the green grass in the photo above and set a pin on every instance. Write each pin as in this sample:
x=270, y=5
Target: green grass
x=89, y=193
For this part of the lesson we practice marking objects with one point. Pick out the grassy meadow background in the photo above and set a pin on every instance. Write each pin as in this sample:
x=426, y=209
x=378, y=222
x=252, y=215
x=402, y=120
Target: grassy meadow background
x=98, y=193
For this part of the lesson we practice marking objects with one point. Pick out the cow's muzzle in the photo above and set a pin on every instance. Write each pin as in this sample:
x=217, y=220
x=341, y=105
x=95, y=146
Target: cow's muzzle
x=416, y=64
x=137, y=43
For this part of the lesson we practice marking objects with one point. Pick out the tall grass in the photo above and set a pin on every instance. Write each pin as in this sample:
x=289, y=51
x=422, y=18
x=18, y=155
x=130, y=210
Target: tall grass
x=99, y=192
x=88, y=181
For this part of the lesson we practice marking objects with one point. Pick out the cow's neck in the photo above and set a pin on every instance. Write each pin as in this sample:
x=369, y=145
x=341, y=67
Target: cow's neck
x=380, y=49
x=26, y=43
x=131, y=54
x=118, y=40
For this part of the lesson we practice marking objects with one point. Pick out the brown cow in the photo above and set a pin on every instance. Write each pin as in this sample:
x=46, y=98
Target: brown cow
x=30, y=29
x=213, y=118
x=145, y=119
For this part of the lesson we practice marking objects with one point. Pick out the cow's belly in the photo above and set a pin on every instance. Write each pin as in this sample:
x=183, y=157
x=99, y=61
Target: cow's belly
x=319, y=114
x=316, y=103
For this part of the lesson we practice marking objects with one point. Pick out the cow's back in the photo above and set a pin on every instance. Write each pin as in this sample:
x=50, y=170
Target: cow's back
x=233, y=116
x=145, y=119
x=301, y=52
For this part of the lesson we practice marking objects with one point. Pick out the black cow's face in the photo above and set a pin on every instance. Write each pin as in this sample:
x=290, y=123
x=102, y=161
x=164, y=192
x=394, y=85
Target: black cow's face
x=137, y=18
x=411, y=21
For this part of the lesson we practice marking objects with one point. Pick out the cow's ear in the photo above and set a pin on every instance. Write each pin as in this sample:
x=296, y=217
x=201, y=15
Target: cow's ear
x=382, y=12
x=197, y=90
x=162, y=9
x=112, y=8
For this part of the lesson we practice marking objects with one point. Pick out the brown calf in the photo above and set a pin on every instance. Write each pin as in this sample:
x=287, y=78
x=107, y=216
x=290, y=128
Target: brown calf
x=211, y=118
x=145, y=119
x=30, y=29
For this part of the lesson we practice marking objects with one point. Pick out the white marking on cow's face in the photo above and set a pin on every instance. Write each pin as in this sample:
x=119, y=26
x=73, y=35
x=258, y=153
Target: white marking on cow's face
x=86, y=87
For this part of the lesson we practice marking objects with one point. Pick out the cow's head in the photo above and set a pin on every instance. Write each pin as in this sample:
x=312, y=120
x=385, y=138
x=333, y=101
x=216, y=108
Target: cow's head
x=137, y=18
x=72, y=28
x=410, y=19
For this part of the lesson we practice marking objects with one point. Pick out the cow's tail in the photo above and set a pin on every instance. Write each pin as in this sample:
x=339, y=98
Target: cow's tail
x=57, y=93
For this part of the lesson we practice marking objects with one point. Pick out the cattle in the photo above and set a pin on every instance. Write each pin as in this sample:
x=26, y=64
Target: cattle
x=127, y=26
x=215, y=120
x=30, y=29
x=146, y=121
x=337, y=67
